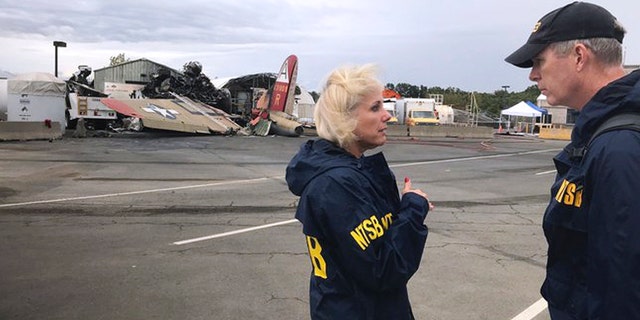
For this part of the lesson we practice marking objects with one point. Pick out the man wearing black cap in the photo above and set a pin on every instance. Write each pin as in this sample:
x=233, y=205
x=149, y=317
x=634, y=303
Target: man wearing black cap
x=592, y=222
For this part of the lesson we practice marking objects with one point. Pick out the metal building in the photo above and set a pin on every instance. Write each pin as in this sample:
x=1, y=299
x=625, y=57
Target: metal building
x=138, y=71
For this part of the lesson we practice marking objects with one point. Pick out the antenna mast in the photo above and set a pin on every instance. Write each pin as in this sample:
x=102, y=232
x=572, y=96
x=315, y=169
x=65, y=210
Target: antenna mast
x=472, y=111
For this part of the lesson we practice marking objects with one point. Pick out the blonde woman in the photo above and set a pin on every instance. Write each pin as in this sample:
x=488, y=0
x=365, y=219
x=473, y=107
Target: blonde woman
x=364, y=240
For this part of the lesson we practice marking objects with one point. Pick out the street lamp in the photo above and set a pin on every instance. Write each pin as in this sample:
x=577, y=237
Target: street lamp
x=504, y=103
x=57, y=44
x=504, y=97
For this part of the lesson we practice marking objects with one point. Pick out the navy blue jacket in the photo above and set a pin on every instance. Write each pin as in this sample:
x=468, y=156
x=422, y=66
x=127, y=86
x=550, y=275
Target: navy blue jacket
x=592, y=223
x=364, y=241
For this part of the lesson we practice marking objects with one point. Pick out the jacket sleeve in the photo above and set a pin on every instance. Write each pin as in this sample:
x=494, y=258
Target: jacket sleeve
x=379, y=255
x=612, y=184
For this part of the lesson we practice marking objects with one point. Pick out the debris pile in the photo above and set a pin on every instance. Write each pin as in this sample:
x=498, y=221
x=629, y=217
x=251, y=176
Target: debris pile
x=192, y=84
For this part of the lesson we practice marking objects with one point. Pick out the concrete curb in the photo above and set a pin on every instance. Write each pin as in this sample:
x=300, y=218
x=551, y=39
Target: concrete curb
x=440, y=131
x=25, y=130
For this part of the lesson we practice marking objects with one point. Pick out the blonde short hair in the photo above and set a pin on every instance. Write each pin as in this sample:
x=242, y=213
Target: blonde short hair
x=343, y=90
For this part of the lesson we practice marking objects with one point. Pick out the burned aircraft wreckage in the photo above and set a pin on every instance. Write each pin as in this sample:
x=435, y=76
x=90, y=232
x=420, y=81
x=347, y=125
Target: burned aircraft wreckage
x=194, y=85
x=190, y=102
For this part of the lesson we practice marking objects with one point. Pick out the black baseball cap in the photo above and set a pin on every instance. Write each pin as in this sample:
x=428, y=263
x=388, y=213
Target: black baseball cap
x=578, y=20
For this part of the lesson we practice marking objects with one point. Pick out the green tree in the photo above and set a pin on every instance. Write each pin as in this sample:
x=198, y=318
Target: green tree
x=119, y=59
x=531, y=93
x=490, y=103
x=407, y=90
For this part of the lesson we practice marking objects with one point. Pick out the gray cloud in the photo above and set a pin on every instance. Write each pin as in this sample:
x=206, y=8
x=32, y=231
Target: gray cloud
x=435, y=43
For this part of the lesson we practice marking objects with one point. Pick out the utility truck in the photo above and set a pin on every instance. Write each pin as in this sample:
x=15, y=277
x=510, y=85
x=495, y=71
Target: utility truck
x=421, y=112
x=83, y=101
x=87, y=104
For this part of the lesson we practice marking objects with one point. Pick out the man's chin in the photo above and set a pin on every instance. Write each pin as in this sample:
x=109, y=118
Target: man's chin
x=552, y=101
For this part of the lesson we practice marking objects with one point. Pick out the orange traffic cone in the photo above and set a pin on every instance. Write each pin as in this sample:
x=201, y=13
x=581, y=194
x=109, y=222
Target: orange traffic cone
x=500, y=129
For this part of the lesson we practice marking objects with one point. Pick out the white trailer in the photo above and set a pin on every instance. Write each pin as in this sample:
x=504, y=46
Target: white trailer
x=36, y=96
x=445, y=114
x=390, y=105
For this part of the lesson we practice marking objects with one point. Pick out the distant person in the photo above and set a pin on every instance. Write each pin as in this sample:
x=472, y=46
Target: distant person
x=592, y=222
x=364, y=240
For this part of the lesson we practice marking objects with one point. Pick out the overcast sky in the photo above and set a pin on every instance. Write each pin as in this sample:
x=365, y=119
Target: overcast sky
x=460, y=43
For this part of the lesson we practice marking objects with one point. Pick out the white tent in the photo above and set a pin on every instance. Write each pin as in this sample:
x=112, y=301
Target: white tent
x=521, y=109
x=304, y=106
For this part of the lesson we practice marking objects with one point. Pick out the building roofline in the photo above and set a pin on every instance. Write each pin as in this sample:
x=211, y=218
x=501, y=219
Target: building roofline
x=137, y=60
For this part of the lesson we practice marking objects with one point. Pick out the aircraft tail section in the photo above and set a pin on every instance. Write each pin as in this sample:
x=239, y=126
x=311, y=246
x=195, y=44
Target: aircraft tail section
x=282, y=97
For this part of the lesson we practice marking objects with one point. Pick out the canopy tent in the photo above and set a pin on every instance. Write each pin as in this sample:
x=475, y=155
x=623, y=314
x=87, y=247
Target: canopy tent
x=524, y=109
x=532, y=105
x=304, y=106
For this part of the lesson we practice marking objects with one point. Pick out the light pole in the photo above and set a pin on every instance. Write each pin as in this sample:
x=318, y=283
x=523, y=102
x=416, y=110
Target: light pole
x=504, y=96
x=57, y=44
x=504, y=104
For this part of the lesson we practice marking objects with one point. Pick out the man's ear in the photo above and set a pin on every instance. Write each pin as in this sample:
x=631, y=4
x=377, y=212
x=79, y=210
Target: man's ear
x=581, y=56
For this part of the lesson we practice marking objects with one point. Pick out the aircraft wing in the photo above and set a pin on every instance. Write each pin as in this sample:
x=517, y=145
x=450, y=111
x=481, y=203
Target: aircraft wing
x=179, y=114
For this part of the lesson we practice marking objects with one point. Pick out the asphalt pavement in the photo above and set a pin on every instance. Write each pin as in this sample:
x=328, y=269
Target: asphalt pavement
x=164, y=226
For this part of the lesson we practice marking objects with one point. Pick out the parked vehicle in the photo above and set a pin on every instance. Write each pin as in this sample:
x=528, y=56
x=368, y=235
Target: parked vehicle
x=95, y=113
x=421, y=111
x=83, y=101
x=390, y=106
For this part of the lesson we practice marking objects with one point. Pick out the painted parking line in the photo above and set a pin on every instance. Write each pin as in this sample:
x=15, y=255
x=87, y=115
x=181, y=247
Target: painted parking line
x=220, y=235
x=545, y=172
x=531, y=312
x=503, y=155
x=119, y=194
x=230, y=233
